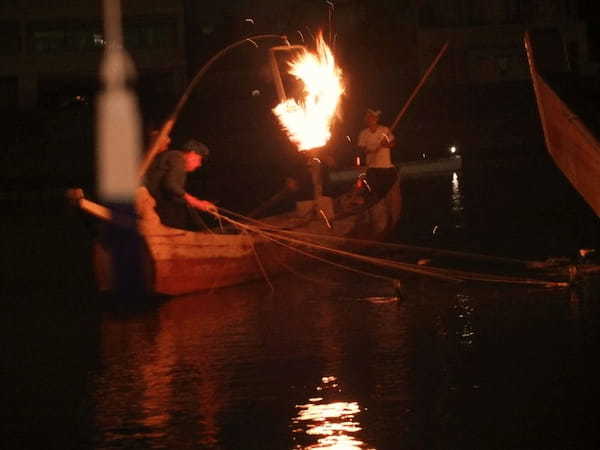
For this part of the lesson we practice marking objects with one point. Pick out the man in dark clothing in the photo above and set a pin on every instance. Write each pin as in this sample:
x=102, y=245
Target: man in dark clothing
x=165, y=181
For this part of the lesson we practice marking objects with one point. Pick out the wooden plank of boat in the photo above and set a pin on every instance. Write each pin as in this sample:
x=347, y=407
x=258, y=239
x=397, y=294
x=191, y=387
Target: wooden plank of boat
x=573, y=147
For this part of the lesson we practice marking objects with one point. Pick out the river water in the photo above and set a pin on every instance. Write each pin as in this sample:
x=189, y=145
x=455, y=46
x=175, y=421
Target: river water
x=326, y=359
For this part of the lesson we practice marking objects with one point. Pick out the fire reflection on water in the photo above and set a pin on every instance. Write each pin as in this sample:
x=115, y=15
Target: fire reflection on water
x=168, y=368
x=456, y=200
x=465, y=310
x=230, y=368
x=332, y=423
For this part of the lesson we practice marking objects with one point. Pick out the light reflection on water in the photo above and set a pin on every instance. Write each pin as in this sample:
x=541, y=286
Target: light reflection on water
x=167, y=367
x=457, y=201
x=311, y=368
x=464, y=310
x=331, y=423
x=202, y=369
x=456, y=198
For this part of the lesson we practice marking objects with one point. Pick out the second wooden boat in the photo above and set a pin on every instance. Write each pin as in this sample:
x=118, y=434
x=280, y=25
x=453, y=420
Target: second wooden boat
x=574, y=148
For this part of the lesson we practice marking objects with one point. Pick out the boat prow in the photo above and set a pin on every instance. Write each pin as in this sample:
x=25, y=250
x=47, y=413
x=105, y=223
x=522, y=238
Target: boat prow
x=575, y=150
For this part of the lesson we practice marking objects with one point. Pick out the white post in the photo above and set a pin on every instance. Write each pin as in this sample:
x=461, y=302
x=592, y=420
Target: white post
x=118, y=153
x=118, y=121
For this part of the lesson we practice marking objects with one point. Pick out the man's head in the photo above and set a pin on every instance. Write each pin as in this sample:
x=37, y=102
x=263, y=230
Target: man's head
x=372, y=117
x=194, y=153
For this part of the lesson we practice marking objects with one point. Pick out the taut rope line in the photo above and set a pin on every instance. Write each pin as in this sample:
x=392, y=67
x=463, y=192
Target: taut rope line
x=278, y=236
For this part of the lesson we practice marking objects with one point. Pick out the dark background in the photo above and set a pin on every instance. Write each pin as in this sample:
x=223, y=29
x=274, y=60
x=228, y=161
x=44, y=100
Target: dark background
x=383, y=49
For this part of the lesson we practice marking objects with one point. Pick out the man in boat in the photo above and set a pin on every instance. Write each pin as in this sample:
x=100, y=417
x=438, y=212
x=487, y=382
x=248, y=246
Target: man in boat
x=376, y=141
x=165, y=180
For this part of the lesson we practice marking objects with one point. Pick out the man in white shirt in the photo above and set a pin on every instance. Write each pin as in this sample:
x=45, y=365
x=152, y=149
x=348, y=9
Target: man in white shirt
x=376, y=141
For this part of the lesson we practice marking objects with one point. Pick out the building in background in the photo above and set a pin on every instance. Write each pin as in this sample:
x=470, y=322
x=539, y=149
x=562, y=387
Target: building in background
x=478, y=98
x=483, y=97
x=50, y=49
x=479, y=95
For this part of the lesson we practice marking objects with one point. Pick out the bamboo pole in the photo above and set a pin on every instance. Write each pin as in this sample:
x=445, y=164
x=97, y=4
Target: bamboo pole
x=419, y=86
x=170, y=122
x=289, y=187
x=275, y=67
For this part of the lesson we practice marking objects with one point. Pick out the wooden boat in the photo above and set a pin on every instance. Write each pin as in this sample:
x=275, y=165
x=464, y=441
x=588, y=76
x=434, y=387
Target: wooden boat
x=177, y=261
x=575, y=150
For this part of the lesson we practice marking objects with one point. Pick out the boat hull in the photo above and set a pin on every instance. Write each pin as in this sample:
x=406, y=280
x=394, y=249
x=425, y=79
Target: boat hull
x=573, y=147
x=178, y=262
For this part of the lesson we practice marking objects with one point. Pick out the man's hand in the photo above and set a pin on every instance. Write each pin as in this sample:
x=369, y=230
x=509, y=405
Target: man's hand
x=202, y=205
x=385, y=141
x=205, y=205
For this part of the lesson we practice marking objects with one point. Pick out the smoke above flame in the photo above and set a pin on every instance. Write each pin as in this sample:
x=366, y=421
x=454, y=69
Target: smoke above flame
x=308, y=121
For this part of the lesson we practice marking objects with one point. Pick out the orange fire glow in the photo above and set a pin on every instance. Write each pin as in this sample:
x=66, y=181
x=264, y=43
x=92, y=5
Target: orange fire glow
x=308, y=121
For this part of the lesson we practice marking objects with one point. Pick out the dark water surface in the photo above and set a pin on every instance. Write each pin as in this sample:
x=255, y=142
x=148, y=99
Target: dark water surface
x=329, y=359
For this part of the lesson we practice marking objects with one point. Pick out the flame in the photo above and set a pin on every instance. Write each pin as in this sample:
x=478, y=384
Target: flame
x=308, y=121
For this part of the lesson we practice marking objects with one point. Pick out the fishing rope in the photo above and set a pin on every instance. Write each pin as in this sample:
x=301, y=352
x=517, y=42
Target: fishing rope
x=277, y=235
x=450, y=274
x=392, y=245
x=370, y=259
x=373, y=260
x=261, y=266
x=319, y=258
x=287, y=266
x=270, y=237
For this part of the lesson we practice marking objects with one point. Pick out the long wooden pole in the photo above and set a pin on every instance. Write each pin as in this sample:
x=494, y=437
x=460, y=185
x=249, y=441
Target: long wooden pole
x=289, y=187
x=418, y=88
x=275, y=68
x=170, y=122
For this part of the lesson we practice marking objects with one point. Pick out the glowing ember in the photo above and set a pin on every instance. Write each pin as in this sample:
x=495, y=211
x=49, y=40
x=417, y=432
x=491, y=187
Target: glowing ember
x=308, y=121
